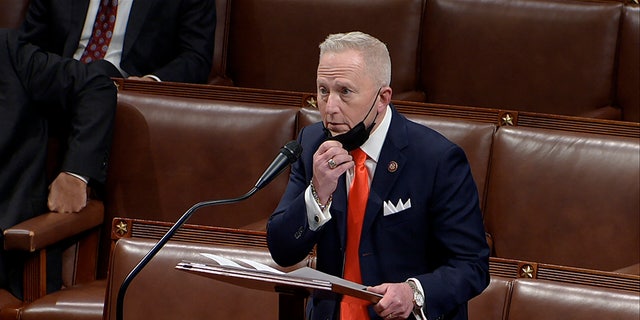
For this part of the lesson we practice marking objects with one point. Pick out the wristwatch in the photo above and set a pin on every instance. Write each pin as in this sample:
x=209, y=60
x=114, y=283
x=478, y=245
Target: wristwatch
x=418, y=296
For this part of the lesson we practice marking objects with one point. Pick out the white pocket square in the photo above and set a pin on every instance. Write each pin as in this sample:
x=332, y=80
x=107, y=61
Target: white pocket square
x=389, y=208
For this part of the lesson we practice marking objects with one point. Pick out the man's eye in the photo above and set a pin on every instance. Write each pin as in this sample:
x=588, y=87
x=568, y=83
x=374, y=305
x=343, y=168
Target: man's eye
x=322, y=91
x=346, y=91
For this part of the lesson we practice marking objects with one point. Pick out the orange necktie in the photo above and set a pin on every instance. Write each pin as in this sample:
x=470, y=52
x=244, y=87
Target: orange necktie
x=352, y=308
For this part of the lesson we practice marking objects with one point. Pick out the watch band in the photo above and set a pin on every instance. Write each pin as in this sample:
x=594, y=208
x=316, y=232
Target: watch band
x=418, y=299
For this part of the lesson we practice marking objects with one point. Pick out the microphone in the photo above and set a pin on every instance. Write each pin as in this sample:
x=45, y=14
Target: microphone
x=287, y=155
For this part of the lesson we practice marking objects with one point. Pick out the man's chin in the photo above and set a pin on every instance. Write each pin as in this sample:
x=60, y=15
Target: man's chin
x=337, y=129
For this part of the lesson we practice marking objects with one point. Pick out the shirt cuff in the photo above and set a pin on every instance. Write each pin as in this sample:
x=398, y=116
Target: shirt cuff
x=315, y=216
x=83, y=178
x=153, y=77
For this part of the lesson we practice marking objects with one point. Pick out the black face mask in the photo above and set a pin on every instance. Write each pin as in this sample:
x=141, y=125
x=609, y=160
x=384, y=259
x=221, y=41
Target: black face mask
x=356, y=136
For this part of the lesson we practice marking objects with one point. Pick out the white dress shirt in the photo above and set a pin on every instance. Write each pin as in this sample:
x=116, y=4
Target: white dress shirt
x=114, y=53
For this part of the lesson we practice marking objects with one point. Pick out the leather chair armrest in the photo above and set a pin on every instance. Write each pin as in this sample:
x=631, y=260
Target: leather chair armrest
x=49, y=228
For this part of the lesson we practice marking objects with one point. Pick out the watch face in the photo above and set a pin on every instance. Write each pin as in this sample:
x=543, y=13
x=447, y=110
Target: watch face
x=419, y=299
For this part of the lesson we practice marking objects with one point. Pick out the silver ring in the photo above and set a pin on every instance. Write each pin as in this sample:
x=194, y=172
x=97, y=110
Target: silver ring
x=332, y=164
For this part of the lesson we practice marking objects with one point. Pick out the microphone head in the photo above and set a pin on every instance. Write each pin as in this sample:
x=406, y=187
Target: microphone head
x=292, y=151
x=288, y=155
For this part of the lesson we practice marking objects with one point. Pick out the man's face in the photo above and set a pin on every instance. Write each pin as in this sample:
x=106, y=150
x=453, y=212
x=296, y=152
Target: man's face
x=345, y=92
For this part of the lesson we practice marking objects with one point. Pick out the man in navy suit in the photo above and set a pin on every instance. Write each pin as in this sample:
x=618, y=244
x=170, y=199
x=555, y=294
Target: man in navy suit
x=166, y=40
x=86, y=98
x=422, y=244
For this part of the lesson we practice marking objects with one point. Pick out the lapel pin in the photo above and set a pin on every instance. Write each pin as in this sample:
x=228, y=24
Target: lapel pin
x=393, y=166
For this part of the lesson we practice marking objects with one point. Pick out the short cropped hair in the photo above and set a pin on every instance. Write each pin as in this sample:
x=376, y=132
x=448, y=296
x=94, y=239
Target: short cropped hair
x=374, y=52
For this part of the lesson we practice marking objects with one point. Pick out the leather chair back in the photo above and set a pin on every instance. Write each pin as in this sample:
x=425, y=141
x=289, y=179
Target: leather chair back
x=493, y=302
x=540, y=56
x=550, y=300
x=274, y=44
x=170, y=153
x=161, y=292
x=548, y=193
x=629, y=64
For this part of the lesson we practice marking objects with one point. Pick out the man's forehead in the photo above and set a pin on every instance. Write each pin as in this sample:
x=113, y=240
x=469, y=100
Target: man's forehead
x=349, y=56
x=340, y=67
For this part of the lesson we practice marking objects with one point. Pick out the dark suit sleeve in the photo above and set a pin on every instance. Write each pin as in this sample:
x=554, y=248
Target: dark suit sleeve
x=86, y=95
x=196, y=32
x=289, y=238
x=45, y=26
x=459, y=238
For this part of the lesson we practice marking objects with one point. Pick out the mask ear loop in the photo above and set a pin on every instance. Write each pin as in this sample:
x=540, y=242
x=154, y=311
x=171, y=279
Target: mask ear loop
x=372, y=105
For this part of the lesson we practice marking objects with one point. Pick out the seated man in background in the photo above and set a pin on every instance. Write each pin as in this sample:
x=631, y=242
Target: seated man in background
x=162, y=40
x=32, y=79
x=386, y=202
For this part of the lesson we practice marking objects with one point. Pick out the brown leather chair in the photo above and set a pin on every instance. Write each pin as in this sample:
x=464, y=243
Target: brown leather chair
x=542, y=299
x=564, y=198
x=171, y=294
x=274, y=44
x=629, y=64
x=493, y=302
x=162, y=292
x=549, y=56
x=218, y=75
x=78, y=232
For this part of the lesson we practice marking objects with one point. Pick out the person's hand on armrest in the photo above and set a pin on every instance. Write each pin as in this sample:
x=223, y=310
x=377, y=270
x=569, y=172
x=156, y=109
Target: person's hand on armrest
x=67, y=193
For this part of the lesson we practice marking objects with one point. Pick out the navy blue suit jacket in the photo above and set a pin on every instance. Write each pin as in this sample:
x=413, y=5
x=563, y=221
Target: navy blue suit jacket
x=440, y=240
x=172, y=39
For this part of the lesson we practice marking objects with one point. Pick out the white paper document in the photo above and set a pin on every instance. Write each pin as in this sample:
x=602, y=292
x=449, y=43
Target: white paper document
x=230, y=263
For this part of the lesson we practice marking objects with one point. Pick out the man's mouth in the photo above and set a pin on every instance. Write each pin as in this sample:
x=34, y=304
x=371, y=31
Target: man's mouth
x=337, y=128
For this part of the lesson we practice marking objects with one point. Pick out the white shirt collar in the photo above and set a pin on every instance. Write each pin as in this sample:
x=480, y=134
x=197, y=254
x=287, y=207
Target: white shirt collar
x=373, y=145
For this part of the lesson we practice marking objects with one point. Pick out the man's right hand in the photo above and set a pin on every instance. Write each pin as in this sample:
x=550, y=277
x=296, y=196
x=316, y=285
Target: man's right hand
x=325, y=173
x=67, y=194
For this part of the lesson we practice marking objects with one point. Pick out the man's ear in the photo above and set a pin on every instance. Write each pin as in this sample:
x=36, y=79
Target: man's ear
x=385, y=97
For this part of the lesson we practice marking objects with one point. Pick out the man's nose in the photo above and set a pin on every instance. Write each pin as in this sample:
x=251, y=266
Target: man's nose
x=333, y=103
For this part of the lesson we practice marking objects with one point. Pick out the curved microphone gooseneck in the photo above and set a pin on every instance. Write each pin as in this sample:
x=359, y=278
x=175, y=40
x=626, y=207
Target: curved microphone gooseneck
x=288, y=154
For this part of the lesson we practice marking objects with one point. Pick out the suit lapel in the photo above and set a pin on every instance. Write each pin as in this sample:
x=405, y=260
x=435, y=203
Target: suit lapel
x=385, y=178
x=137, y=16
x=78, y=14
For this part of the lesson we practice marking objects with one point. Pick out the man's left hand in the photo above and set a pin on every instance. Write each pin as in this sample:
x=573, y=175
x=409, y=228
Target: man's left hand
x=67, y=194
x=397, y=300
